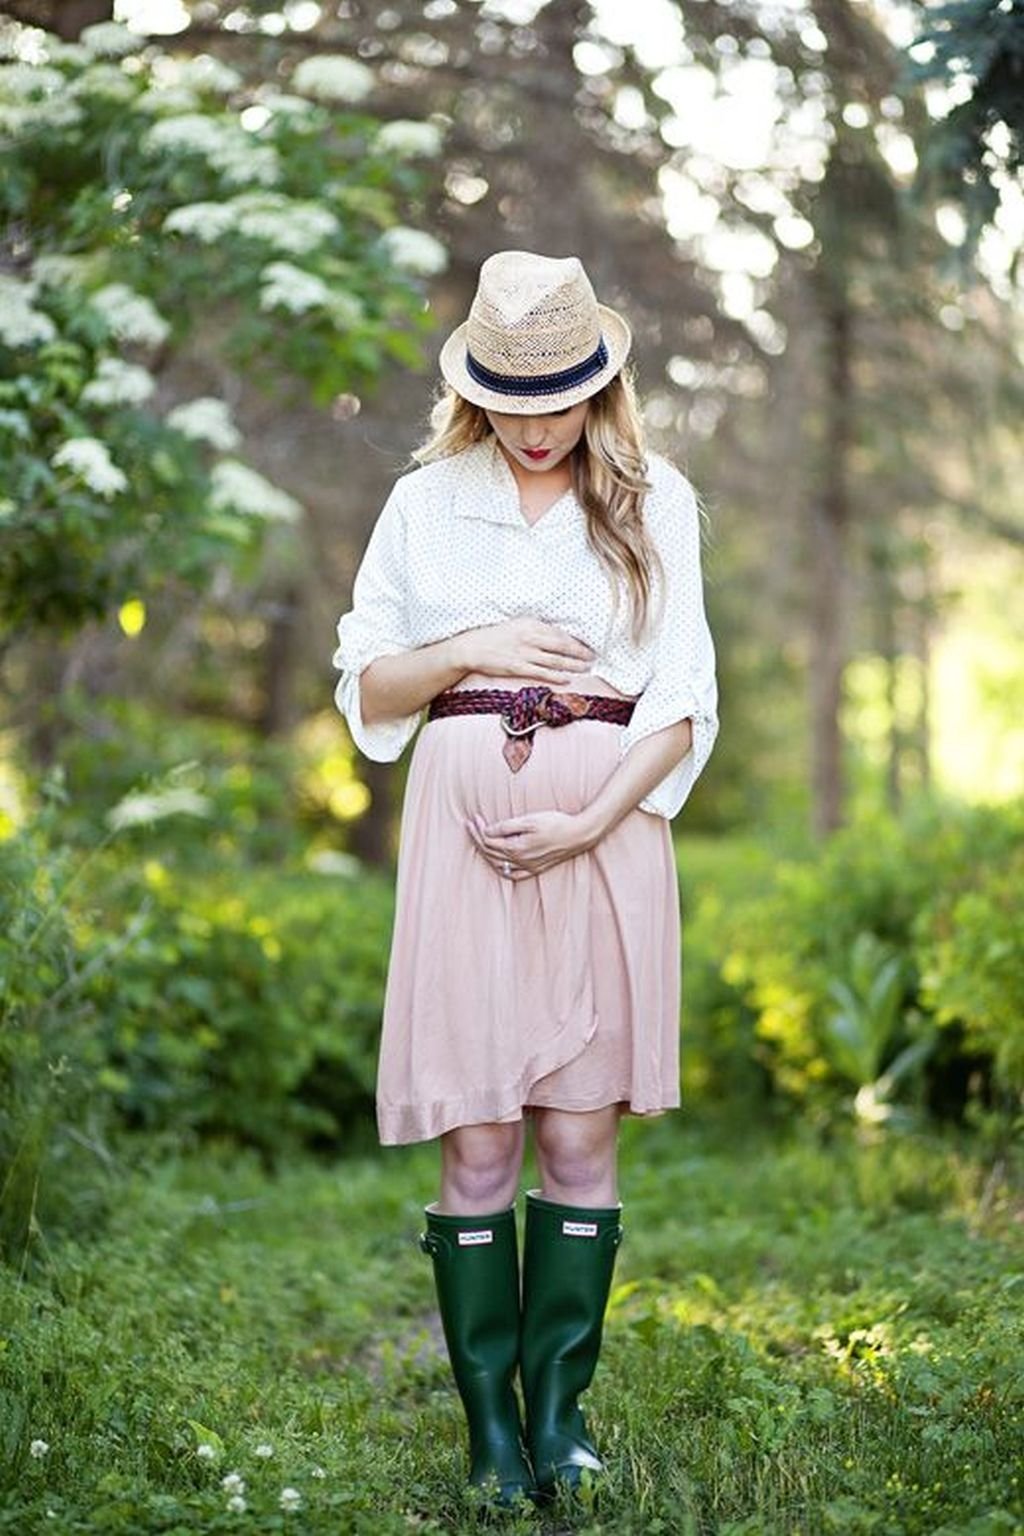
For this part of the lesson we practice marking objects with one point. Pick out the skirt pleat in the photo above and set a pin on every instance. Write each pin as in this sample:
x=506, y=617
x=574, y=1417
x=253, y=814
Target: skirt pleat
x=560, y=989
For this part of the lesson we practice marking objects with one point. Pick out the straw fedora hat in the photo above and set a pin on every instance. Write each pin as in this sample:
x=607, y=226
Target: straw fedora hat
x=536, y=339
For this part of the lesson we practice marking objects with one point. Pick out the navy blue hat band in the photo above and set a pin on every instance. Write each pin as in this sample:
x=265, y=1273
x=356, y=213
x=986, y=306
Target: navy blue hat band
x=540, y=383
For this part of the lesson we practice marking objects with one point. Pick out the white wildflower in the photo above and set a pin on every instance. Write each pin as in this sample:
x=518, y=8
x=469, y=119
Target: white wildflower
x=237, y=488
x=240, y=161
x=290, y=1499
x=22, y=325
x=15, y=424
x=345, y=310
x=292, y=288
x=264, y=1451
x=149, y=808
x=225, y=146
x=333, y=77
x=205, y=420
x=281, y=104
x=110, y=39
x=90, y=460
x=318, y=1472
x=50, y=112
x=413, y=250
x=290, y=224
x=406, y=137
x=205, y=73
x=130, y=315
x=38, y=1448
x=192, y=133
x=118, y=383
x=236, y=1504
x=58, y=52
x=233, y=1482
x=137, y=809
x=104, y=80
x=24, y=82
x=167, y=98
x=56, y=270
x=203, y=221
x=16, y=291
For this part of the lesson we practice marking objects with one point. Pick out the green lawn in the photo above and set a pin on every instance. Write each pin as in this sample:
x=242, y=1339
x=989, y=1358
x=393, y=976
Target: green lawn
x=804, y=1336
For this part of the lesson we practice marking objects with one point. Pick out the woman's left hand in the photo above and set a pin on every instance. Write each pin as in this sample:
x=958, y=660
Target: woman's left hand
x=530, y=843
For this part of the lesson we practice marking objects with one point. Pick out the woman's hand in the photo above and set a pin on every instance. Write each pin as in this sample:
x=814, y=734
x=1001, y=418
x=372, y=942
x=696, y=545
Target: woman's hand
x=532, y=842
x=524, y=647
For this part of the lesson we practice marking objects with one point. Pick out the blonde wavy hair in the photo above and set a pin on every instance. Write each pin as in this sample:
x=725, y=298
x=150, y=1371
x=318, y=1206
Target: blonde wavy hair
x=609, y=480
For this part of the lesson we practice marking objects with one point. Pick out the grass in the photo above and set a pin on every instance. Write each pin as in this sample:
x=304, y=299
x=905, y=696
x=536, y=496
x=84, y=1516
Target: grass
x=804, y=1336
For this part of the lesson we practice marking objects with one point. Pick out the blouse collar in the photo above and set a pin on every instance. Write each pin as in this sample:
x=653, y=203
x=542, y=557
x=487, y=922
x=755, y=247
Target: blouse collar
x=487, y=488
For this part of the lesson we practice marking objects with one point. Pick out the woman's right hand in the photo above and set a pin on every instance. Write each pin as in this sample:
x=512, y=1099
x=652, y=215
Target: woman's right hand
x=524, y=647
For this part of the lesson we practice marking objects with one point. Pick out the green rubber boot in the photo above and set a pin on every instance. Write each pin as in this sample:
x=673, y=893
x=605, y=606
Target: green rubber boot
x=568, y=1259
x=476, y=1270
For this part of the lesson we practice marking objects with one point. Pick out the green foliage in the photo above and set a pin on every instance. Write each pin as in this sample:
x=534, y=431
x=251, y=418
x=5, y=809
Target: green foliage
x=53, y=1087
x=145, y=197
x=980, y=42
x=867, y=1007
x=847, y=970
x=972, y=962
x=140, y=988
x=121, y=755
x=245, y=1009
x=719, y=1053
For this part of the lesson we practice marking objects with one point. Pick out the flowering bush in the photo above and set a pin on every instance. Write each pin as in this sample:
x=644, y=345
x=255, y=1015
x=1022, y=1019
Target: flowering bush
x=147, y=192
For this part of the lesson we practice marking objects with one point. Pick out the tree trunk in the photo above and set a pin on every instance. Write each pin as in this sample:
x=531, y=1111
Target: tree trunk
x=280, y=661
x=370, y=837
x=886, y=646
x=920, y=632
x=66, y=18
x=830, y=524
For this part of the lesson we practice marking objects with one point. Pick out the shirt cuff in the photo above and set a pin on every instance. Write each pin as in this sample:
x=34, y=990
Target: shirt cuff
x=385, y=740
x=669, y=795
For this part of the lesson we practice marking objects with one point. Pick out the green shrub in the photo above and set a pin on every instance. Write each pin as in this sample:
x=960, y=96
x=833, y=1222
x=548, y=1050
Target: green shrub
x=246, y=1007
x=971, y=955
x=831, y=958
x=720, y=1055
x=53, y=1088
x=241, y=786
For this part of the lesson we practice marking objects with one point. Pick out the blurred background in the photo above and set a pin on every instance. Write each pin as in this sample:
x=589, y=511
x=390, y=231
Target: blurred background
x=234, y=237
x=234, y=234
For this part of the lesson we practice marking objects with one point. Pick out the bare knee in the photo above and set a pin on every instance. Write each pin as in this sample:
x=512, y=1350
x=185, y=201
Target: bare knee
x=480, y=1167
x=576, y=1154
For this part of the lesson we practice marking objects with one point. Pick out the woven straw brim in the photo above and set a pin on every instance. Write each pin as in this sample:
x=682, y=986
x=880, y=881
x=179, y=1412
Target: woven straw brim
x=452, y=362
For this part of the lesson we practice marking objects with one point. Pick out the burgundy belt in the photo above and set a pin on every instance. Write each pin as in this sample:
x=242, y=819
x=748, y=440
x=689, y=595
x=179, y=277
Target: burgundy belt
x=525, y=709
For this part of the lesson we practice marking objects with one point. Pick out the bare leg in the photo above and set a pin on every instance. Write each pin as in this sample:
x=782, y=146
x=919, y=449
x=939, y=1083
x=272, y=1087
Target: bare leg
x=480, y=1167
x=471, y=1237
x=576, y=1153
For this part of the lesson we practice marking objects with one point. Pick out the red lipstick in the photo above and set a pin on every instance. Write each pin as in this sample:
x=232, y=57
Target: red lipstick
x=536, y=453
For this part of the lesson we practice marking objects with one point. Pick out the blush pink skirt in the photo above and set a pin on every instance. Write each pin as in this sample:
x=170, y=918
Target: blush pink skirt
x=558, y=989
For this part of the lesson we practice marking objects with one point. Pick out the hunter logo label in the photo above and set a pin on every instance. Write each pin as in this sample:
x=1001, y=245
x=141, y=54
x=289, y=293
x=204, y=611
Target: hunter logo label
x=473, y=1239
x=579, y=1228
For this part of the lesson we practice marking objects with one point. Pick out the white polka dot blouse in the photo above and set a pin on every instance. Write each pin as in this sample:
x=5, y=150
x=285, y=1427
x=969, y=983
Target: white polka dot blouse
x=451, y=550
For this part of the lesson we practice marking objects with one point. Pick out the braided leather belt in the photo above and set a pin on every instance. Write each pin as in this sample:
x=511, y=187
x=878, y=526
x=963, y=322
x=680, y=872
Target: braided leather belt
x=527, y=708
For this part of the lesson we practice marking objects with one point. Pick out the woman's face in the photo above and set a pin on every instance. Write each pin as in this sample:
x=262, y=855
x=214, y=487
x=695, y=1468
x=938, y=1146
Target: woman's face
x=539, y=442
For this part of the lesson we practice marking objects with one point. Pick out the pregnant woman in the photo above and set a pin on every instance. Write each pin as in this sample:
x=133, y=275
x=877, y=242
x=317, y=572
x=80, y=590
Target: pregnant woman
x=535, y=585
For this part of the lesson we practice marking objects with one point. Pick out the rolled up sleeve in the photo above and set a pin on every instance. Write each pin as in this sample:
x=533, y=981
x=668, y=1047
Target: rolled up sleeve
x=376, y=626
x=683, y=684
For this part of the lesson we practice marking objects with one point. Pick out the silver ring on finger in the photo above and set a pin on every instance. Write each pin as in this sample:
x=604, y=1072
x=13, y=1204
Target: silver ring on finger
x=506, y=868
